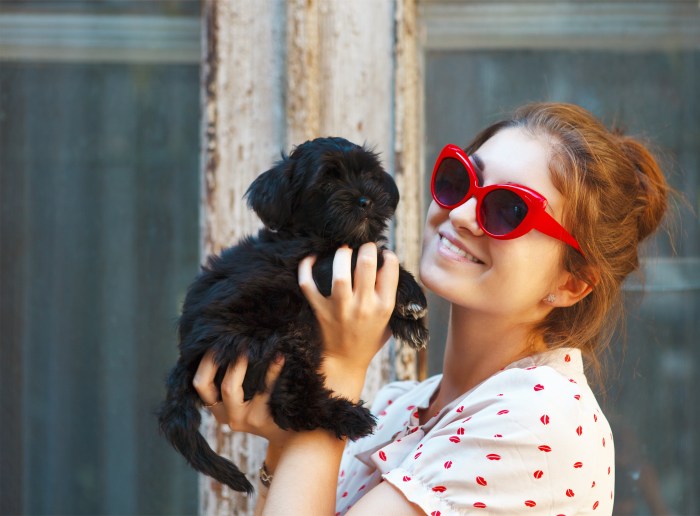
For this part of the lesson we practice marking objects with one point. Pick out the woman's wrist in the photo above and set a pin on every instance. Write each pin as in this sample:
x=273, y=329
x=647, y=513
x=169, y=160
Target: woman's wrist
x=272, y=457
x=313, y=456
x=343, y=380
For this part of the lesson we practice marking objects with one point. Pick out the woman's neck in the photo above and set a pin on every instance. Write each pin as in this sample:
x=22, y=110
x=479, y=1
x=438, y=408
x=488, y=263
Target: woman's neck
x=477, y=347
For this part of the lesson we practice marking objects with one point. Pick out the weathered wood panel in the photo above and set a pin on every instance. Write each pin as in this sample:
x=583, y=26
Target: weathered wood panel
x=276, y=77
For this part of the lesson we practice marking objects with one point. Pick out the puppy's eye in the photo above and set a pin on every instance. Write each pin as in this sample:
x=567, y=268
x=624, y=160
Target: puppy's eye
x=364, y=201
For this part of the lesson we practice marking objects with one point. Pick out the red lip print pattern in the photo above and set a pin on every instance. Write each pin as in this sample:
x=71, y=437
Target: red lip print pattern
x=579, y=430
x=567, y=358
x=435, y=513
x=538, y=474
x=545, y=419
x=439, y=489
x=448, y=464
x=493, y=456
x=480, y=505
x=578, y=465
x=460, y=431
x=569, y=493
x=538, y=387
x=504, y=411
x=460, y=409
x=455, y=439
x=382, y=456
x=406, y=478
x=544, y=448
x=530, y=503
x=481, y=481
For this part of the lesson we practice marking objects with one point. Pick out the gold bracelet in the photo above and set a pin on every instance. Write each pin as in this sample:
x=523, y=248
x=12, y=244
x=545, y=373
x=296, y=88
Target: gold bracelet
x=265, y=475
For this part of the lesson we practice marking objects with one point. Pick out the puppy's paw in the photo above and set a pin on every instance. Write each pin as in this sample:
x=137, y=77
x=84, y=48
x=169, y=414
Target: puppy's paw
x=358, y=423
x=411, y=332
x=412, y=311
x=410, y=299
x=349, y=420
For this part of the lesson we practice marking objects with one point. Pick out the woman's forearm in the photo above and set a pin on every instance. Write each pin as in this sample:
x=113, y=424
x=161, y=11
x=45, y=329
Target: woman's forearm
x=306, y=475
x=305, y=468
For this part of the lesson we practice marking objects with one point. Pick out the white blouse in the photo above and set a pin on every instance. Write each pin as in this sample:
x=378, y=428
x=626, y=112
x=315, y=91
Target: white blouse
x=529, y=439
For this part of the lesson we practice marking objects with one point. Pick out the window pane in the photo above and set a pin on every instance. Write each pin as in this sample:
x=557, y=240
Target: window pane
x=99, y=228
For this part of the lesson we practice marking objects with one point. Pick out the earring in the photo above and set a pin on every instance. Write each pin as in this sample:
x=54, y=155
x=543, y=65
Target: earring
x=551, y=298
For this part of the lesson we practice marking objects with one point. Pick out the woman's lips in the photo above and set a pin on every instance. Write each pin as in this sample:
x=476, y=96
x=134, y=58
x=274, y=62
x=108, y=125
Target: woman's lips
x=456, y=249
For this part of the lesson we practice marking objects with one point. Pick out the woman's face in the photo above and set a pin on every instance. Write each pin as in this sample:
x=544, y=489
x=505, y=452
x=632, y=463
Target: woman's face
x=503, y=277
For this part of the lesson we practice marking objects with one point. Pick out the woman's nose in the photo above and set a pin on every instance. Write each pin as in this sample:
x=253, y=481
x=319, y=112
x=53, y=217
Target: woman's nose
x=464, y=217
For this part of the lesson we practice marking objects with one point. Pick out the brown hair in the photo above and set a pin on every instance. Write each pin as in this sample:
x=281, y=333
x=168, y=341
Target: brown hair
x=616, y=197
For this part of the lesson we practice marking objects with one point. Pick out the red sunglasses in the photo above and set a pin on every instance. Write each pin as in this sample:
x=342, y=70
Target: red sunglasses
x=503, y=211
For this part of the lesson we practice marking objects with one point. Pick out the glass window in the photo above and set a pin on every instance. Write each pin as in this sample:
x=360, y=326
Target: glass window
x=638, y=67
x=99, y=228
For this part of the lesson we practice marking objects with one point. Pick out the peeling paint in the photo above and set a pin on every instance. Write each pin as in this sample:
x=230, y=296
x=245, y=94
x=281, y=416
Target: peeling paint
x=273, y=78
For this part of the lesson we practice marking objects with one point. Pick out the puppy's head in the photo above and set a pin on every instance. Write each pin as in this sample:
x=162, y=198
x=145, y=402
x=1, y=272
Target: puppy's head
x=327, y=187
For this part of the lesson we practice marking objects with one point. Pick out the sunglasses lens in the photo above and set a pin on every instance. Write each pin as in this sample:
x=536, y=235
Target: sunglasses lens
x=502, y=211
x=451, y=182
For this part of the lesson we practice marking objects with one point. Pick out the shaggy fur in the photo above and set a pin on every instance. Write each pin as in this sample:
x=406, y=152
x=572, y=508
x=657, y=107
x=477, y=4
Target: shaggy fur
x=328, y=192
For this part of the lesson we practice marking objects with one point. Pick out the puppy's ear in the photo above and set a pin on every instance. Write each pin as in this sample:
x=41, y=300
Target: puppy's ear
x=270, y=194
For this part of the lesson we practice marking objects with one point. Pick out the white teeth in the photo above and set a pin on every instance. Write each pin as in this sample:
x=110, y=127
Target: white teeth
x=456, y=250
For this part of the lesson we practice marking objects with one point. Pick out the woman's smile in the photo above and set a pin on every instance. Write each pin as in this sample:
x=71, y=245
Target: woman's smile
x=452, y=250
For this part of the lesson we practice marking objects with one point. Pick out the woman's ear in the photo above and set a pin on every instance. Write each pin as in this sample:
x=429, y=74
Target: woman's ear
x=270, y=195
x=572, y=288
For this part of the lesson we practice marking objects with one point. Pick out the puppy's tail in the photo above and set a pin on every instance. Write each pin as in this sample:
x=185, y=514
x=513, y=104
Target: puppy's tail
x=179, y=420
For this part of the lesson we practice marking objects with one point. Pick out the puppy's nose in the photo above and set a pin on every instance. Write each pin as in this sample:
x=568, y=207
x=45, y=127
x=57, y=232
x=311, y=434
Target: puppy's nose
x=364, y=202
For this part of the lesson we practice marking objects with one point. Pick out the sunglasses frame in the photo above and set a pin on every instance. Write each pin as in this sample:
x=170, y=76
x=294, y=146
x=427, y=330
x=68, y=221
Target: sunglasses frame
x=536, y=217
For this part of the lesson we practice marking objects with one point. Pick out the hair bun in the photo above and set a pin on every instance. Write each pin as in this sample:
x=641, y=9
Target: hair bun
x=652, y=196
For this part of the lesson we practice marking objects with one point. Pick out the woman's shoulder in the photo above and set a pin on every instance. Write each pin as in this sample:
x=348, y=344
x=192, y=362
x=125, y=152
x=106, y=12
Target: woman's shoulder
x=551, y=382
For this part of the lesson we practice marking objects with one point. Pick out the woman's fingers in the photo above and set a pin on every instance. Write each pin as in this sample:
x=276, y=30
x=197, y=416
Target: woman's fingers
x=232, y=384
x=306, y=281
x=342, y=273
x=388, y=279
x=366, y=271
x=252, y=416
x=203, y=381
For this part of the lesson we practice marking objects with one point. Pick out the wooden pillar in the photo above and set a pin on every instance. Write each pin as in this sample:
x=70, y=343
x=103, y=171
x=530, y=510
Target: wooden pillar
x=408, y=161
x=276, y=74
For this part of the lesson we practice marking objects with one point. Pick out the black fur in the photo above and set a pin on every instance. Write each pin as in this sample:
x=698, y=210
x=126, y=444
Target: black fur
x=328, y=192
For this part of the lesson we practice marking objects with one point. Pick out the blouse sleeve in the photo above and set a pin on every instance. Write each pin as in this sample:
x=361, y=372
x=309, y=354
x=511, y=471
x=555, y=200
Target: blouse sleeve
x=526, y=442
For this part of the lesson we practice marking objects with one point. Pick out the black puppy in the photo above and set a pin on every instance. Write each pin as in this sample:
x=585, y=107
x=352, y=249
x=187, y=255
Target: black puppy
x=247, y=301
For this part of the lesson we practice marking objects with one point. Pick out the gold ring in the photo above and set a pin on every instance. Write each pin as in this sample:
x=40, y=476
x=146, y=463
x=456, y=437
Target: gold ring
x=207, y=405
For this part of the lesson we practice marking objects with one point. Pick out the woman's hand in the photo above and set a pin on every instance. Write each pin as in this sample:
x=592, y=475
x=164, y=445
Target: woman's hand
x=354, y=318
x=251, y=416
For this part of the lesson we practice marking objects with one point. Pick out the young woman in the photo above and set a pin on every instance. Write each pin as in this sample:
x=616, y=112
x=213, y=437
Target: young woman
x=511, y=424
